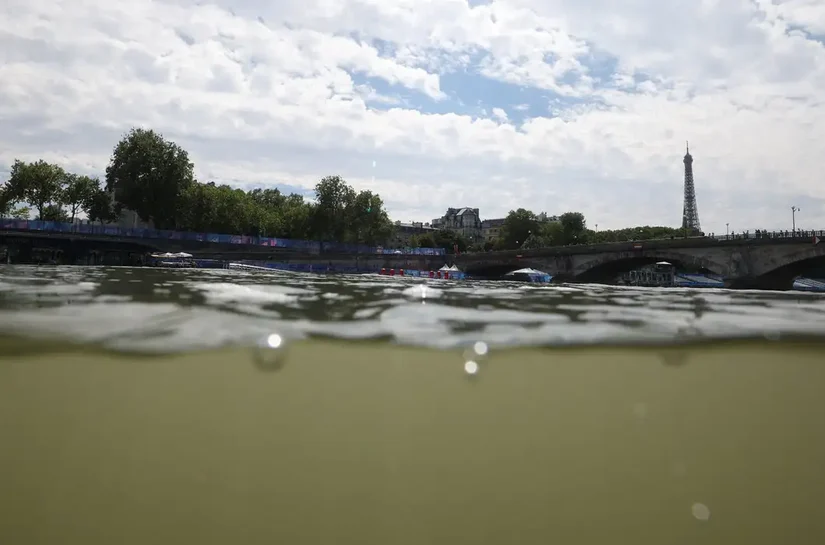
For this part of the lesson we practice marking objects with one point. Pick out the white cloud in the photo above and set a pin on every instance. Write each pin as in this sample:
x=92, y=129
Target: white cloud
x=499, y=114
x=294, y=90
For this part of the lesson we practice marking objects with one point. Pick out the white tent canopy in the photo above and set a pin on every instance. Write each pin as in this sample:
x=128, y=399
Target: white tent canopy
x=451, y=268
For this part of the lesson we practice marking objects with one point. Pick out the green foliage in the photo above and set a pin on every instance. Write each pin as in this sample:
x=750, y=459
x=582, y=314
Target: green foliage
x=333, y=199
x=54, y=212
x=40, y=184
x=547, y=234
x=369, y=222
x=100, y=207
x=297, y=218
x=49, y=190
x=518, y=226
x=573, y=228
x=639, y=233
x=154, y=178
x=6, y=202
x=443, y=238
x=78, y=192
x=19, y=213
x=150, y=176
x=339, y=214
x=425, y=240
x=569, y=230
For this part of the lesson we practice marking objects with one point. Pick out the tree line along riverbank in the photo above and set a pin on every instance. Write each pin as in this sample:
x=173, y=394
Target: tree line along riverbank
x=155, y=178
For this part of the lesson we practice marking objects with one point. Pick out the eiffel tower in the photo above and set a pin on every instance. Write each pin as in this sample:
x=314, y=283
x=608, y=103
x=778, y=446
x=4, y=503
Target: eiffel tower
x=690, y=212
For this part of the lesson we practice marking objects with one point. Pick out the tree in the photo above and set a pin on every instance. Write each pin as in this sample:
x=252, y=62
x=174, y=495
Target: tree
x=268, y=198
x=54, y=212
x=480, y=246
x=6, y=202
x=547, y=234
x=100, y=207
x=21, y=213
x=367, y=221
x=154, y=178
x=40, y=184
x=573, y=228
x=77, y=193
x=18, y=213
x=518, y=226
x=332, y=197
x=267, y=207
x=298, y=218
x=150, y=176
x=450, y=240
x=635, y=233
x=199, y=208
x=425, y=240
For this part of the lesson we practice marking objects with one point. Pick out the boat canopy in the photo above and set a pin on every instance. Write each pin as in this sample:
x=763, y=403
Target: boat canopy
x=170, y=254
x=526, y=270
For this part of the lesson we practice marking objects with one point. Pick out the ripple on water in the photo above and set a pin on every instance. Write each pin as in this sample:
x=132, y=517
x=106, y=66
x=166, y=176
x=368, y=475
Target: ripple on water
x=155, y=309
x=224, y=292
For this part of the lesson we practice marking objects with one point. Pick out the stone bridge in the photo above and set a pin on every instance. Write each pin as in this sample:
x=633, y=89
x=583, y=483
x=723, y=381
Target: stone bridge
x=769, y=263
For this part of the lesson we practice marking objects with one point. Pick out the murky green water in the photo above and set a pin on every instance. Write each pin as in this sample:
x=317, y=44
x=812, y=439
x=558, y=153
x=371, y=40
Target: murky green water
x=368, y=424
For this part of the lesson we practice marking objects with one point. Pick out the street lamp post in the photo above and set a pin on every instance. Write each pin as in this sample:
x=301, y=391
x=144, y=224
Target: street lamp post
x=794, y=210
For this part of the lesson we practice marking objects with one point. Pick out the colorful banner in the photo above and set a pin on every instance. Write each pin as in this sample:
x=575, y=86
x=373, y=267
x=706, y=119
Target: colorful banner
x=309, y=246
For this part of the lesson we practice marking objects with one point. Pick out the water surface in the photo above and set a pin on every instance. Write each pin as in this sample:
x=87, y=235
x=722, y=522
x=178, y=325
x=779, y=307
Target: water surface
x=168, y=310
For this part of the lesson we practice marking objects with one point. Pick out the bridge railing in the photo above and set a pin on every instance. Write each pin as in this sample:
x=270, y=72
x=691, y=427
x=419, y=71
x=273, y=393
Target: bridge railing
x=761, y=234
x=309, y=246
x=799, y=235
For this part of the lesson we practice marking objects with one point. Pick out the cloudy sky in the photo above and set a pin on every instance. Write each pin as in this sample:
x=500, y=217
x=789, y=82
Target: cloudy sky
x=551, y=105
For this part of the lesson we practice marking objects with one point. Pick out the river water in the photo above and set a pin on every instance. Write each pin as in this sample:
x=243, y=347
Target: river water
x=215, y=406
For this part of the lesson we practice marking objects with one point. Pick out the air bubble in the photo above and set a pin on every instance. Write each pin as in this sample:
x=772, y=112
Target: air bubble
x=274, y=341
x=700, y=511
x=773, y=335
x=477, y=352
x=270, y=353
x=674, y=357
x=471, y=367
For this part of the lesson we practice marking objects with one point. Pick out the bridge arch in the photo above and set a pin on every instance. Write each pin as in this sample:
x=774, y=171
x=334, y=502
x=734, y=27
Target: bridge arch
x=781, y=275
x=606, y=267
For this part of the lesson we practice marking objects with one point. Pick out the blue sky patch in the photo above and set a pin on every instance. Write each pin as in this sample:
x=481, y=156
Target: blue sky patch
x=400, y=95
x=471, y=93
